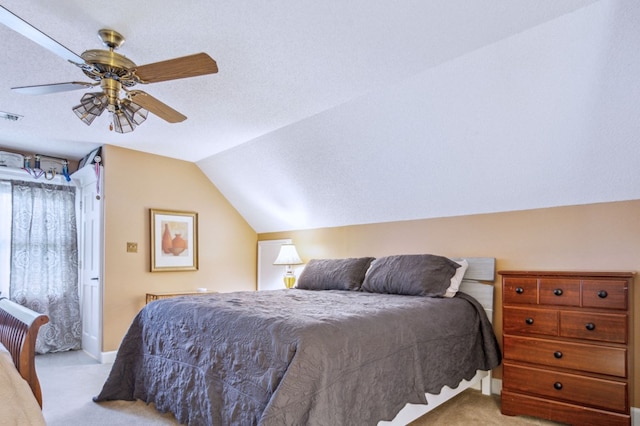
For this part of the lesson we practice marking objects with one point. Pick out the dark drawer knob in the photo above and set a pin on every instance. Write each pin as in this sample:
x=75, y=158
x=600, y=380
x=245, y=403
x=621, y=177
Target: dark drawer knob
x=602, y=294
x=590, y=326
x=557, y=354
x=519, y=290
x=557, y=292
x=529, y=321
x=557, y=385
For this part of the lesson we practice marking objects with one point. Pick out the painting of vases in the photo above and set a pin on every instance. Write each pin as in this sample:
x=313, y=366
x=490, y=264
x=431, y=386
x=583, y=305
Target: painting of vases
x=174, y=242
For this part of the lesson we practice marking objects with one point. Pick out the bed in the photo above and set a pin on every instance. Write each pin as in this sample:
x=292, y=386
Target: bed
x=354, y=343
x=20, y=391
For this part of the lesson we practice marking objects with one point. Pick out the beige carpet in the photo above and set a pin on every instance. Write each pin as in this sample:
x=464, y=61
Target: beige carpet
x=473, y=408
x=69, y=380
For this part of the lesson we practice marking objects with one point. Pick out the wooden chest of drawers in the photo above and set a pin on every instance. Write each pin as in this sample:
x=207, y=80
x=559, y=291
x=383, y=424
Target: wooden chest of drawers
x=567, y=348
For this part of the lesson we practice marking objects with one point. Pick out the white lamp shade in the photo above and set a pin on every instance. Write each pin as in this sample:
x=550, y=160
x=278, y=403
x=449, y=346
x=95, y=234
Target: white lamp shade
x=288, y=256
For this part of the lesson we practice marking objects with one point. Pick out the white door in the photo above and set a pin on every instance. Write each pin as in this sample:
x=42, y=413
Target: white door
x=270, y=275
x=90, y=234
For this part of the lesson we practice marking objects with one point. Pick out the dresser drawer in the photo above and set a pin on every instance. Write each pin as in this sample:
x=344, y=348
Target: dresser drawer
x=575, y=356
x=520, y=290
x=593, y=326
x=559, y=291
x=514, y=404
x=590, y=391
x=530, y=321
x=605, y=294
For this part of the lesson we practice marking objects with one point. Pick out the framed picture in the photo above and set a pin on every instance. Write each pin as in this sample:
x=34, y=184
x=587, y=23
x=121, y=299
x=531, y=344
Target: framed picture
x=174, y=240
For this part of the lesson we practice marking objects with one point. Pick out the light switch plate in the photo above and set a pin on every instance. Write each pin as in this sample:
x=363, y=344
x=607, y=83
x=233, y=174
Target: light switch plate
x=132, y=247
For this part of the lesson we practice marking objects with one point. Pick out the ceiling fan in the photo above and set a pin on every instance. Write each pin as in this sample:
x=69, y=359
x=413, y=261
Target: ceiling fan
x=115, y=74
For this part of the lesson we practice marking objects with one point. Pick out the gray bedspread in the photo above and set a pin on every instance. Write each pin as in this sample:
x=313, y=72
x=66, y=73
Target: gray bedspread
x=298, y=357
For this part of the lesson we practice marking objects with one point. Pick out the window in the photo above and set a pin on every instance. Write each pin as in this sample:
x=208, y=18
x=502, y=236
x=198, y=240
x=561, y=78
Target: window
x=39, y=257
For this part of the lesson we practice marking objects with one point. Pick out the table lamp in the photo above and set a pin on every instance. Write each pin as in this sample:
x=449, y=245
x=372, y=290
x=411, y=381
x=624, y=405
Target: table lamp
x=288, y=256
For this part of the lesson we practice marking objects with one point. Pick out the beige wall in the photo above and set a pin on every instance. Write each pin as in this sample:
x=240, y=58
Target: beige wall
x=603, y=237
x=136, y=182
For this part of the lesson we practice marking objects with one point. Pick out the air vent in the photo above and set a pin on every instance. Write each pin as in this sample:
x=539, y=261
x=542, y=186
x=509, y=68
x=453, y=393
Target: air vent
x=10, y=116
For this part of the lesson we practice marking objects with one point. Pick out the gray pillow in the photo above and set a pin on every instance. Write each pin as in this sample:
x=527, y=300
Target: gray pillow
x=334, y=274
x=411, y=274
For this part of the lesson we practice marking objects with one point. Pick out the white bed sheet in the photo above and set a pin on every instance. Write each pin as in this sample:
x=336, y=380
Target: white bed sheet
x=19, y=406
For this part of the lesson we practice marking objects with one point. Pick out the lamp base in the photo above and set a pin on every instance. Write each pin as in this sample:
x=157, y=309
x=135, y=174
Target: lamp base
x=289, y=280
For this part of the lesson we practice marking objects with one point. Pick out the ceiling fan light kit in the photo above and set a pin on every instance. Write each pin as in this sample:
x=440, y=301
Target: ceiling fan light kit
x=121, y=123
x=91, y=106
x=115, y=74
x=128, y=117
x=134, y=112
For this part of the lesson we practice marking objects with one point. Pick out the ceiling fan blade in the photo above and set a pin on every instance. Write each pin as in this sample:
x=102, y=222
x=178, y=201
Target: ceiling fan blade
x=45, y=89
x=156, y=107
x=184, y=67
x=23, y=27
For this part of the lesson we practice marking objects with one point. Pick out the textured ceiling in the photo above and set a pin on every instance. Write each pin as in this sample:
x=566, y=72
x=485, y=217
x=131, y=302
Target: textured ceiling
x=334, y=113
x=280, y=61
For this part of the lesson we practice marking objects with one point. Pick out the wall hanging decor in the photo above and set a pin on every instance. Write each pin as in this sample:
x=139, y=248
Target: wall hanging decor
x=90, y=158
x=174, y=240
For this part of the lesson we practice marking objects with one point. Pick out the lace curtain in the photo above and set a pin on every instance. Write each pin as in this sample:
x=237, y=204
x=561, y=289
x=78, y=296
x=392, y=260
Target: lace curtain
x=44, y=261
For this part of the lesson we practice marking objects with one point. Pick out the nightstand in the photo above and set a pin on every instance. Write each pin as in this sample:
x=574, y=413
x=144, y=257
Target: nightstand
x=157, y=296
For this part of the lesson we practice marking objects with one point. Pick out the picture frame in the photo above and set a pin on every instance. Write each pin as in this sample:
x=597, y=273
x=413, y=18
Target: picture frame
x=174, y=240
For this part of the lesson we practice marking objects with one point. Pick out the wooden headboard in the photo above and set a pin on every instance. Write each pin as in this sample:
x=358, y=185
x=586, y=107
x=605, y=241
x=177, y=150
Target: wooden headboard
x=480, y=269
x=18, y=331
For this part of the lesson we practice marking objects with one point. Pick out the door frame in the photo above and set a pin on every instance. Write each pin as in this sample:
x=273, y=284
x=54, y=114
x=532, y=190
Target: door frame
x=84, y=177
x=266, y=268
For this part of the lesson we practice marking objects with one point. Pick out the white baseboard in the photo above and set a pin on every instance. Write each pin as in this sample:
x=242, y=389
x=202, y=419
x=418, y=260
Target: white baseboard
x=108, y=357
x=496, y=386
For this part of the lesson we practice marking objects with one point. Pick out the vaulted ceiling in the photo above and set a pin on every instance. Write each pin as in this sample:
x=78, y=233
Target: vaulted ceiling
x=337, y=113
